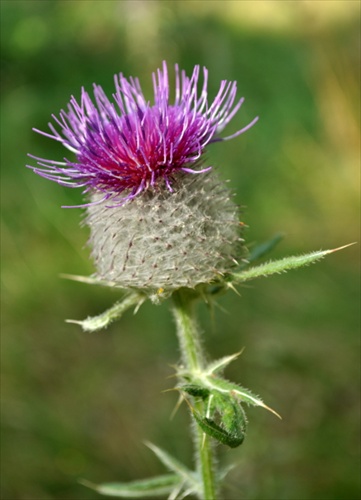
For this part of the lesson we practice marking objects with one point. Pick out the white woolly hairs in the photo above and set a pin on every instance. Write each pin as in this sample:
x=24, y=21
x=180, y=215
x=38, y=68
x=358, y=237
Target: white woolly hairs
x=164, y=239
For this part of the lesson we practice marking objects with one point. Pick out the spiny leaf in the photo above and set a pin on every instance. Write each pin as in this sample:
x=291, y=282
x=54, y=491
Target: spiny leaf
x=174, y=465
x=245, y=395
x=218, y=365
x=90, y=280
x=103, y=320
x=143, y=488
x=279, y=266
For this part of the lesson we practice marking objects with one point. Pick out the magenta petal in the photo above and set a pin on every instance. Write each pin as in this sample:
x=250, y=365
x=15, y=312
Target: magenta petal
x=126, y=146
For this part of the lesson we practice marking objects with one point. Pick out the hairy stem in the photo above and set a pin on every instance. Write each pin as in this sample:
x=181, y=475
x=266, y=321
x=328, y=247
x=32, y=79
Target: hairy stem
x=193, y=360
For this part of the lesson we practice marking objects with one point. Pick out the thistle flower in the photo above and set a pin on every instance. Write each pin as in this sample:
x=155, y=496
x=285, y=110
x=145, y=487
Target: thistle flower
x=129, y=149
x=154, y=225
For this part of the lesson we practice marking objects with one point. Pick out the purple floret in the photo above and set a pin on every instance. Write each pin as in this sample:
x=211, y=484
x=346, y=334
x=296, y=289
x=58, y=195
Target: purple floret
x=127, y=145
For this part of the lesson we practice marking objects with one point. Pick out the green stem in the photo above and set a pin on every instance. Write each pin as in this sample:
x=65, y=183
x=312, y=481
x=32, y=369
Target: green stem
x=193, y=361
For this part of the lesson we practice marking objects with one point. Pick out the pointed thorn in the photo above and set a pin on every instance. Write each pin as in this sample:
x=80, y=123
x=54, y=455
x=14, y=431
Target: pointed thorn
x=236, y=354
x=76, y=322
x=226, y=361
x=179, y=402
x=272, y=411
x=74, y=277
x=176, y=368
x=89, y=280
x=232, y=357
x=231, y=286
x=137, y=307
x=177, y=406
x=341, y=248
x=188, y=403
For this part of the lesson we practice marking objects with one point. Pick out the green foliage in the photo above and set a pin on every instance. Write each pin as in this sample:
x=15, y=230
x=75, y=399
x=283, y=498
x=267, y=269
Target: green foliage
x=195, y=390
x=190, y=481
x=279, y=266
x=223, y=417
x=173, y=464
x=232, y=421
x=103, y=320
x=231, y=427
x=154, y=487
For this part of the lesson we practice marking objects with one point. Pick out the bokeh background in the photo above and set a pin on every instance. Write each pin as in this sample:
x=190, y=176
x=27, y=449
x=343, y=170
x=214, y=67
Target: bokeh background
x=80, y=406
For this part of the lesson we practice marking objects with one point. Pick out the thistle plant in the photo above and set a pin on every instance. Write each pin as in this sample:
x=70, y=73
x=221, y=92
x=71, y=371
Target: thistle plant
x=163, y=226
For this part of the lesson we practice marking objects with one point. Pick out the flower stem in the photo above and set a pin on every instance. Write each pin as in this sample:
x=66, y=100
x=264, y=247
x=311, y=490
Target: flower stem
x=193, y=361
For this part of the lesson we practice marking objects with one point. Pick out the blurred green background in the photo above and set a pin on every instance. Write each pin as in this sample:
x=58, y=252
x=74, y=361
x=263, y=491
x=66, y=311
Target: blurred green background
x=80, y=406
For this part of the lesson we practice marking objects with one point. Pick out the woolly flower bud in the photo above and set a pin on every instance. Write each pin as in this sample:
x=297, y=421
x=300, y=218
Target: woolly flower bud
x=165, y=240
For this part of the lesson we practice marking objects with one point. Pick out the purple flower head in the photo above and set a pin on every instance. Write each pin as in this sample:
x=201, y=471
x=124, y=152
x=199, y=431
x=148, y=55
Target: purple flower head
x=126, y=146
